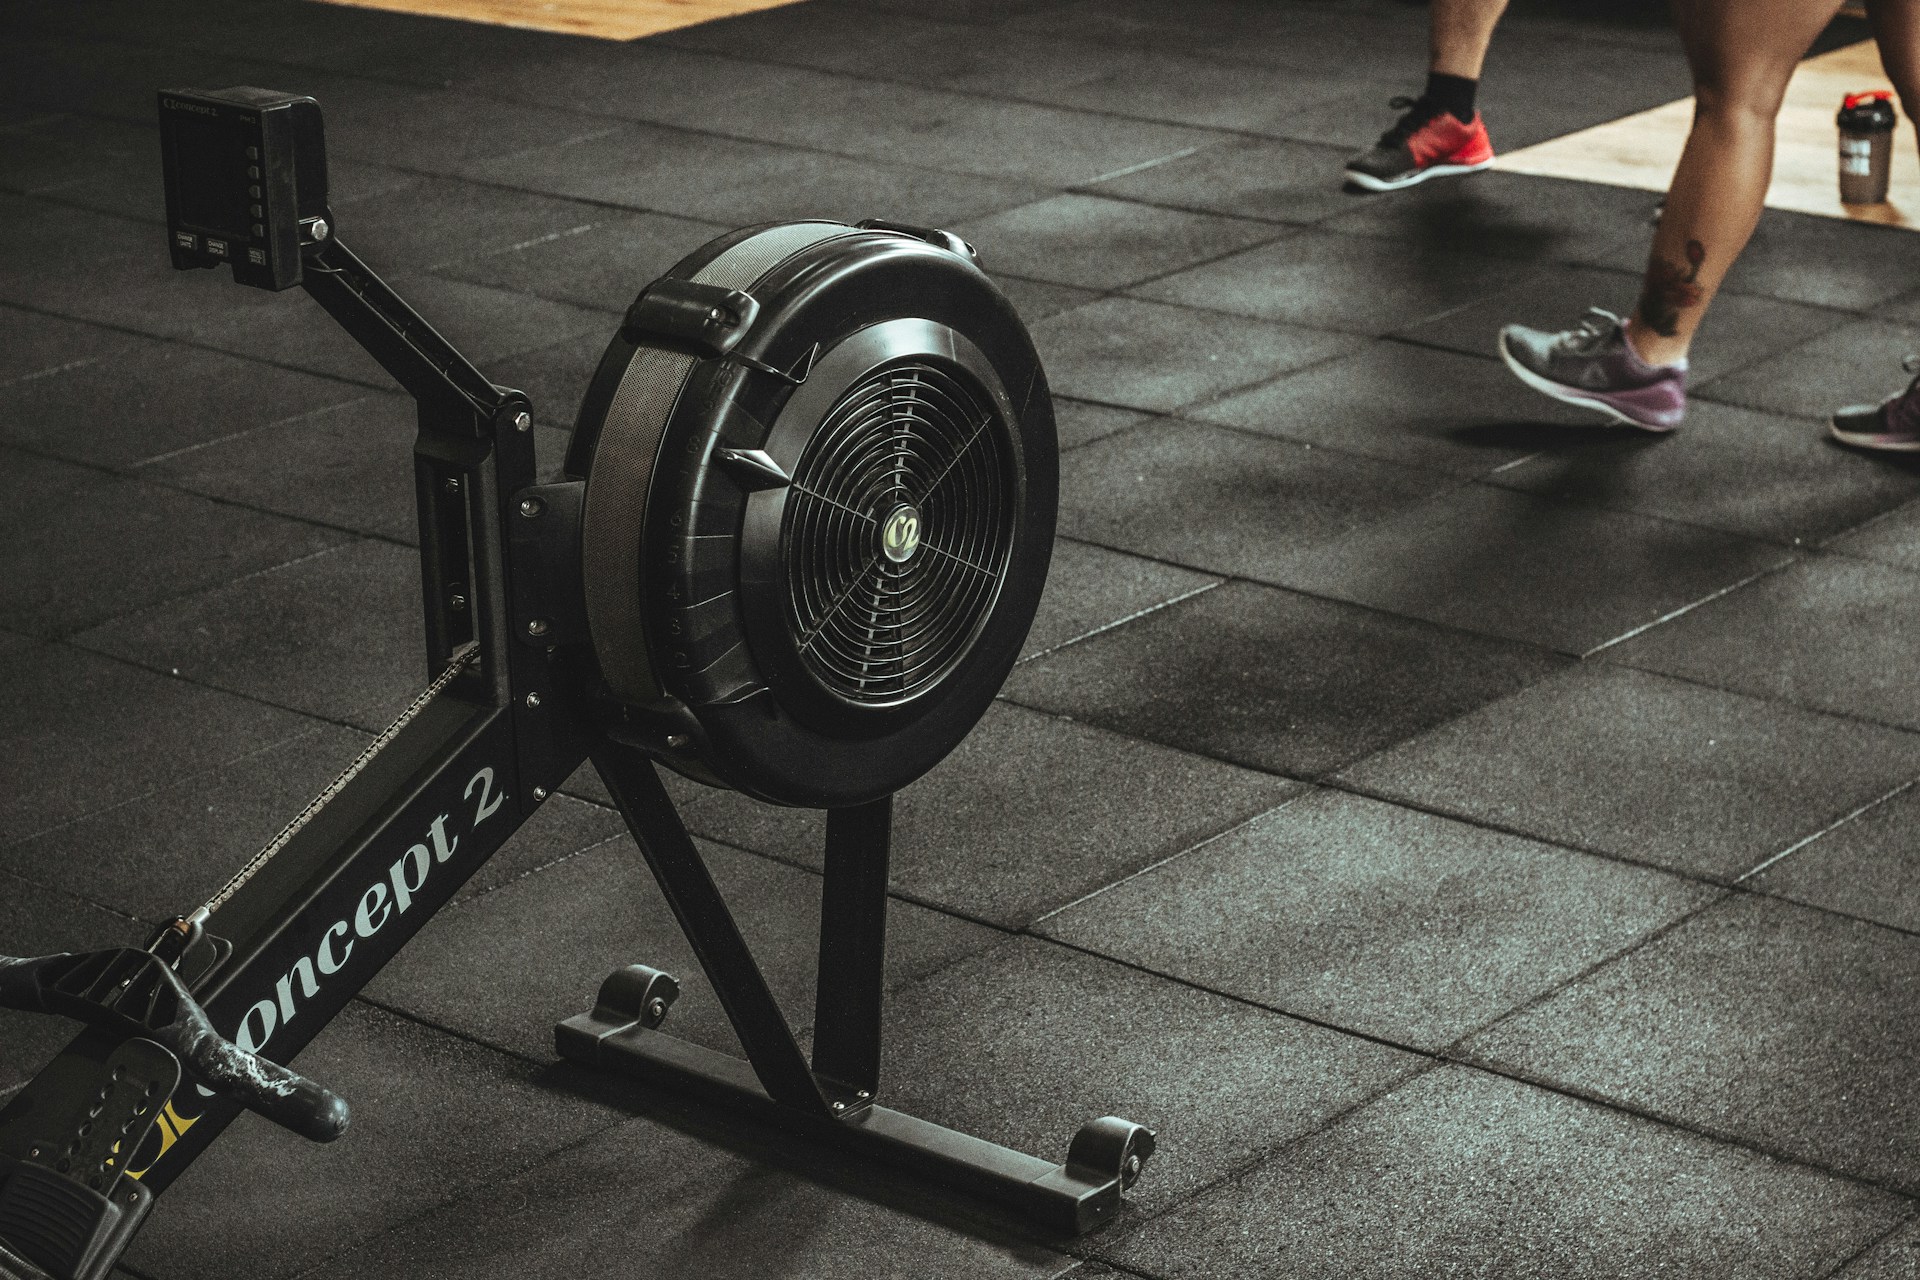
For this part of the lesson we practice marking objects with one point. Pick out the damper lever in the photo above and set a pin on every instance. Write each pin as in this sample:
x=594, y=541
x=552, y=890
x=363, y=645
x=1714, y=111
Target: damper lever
x=134, y=994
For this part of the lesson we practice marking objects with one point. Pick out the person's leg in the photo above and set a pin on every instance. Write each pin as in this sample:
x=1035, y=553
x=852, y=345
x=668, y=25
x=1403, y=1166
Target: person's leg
x=1441, y=131
x=1892, y=425
x=1742, y=53
x=1461, y=30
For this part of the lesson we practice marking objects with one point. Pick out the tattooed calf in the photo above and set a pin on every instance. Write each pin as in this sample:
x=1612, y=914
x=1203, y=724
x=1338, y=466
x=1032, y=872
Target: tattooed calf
x=1669, y=288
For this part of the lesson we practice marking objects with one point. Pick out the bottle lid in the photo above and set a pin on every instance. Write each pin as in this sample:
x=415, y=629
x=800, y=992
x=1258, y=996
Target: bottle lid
x=1853, y=100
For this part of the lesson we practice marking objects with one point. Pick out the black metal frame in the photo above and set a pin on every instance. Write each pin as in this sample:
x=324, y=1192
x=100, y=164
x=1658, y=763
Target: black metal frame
x=364, y=867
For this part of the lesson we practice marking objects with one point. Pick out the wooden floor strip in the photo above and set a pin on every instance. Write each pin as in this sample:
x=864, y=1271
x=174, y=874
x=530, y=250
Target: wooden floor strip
x=606, y=19
x=1641, y=150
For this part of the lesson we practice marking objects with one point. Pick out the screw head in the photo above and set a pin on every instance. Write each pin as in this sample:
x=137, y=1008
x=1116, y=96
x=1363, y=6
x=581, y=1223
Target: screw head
x=865, y=1094
x=538, y=627
x=523, y=421
x=531, y=507
x=656, y=1008
x=676, y=740
x=533, y=700
x=839, y=1106
x=539, y=793
x=453, y=484
x=320, y=229
x=457, y=603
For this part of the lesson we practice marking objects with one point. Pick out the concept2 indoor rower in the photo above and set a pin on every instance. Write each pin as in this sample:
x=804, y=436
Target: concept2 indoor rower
x=800, y=535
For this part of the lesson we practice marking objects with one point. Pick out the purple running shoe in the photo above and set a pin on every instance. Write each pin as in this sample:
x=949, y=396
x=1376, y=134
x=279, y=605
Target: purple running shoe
x=1892, y=426
x=1594, y=366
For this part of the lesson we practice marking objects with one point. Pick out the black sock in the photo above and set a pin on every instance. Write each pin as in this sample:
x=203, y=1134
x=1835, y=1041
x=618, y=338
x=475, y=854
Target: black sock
x=1451, y=93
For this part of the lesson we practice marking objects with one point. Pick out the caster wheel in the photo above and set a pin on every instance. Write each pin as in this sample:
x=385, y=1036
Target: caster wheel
x=1111, y=1148
x=636, y=995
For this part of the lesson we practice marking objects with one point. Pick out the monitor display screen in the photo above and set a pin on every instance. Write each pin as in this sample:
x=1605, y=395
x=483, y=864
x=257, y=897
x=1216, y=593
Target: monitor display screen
x=210, y=173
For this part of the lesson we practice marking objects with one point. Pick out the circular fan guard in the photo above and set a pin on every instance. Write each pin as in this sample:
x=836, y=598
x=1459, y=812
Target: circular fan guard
x=897, y=532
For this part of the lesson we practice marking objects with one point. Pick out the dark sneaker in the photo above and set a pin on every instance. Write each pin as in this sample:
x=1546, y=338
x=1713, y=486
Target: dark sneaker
x=1892, y=426
x=1426, y=142
x=1594, y=366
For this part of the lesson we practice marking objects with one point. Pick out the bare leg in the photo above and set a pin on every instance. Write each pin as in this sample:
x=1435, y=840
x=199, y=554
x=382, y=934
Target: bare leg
x=1742, y=53
x=1461, y=32
x=1896, y=29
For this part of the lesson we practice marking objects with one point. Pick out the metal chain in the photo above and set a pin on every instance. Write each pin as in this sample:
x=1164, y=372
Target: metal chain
x=458, y=664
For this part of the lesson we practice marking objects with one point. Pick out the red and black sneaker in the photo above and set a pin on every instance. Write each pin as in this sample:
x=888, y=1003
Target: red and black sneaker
x=1426, y=142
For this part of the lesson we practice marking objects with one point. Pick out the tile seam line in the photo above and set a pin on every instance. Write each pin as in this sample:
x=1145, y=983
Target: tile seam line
x=1867, y=1248
x=1033, y=926
x=109, y=327
x=127, y=615
x=1704, y=1132
x=58, y=891
x=1851, y=717
x=1333, y=782
x=1448, y=1056
x=1689, y=607
x=196, y=776
x=1105, y=627
x=1835, y=825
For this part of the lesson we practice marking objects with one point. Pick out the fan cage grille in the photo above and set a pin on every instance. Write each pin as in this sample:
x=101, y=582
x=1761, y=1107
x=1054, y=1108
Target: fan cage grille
x=924, y=435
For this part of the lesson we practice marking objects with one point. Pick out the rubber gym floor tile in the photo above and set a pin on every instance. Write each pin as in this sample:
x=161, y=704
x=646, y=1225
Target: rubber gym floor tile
x=112, y=548
x=1227, y=501
x=1797, y=257
x=602, y=263
x=56, y=152
x=1893, y=1258
x=1506, y=564
x=148, y=398
x=1729, y=468
x=1403, y=403
x=1829, y=633
x=1090, y=588
x=1023, y=1044
x=1464, y=1173
x=1772, y=1023
x=1741, y=331
x=1891, y=539
x=1035, y=300
x=1105, y=244
x=1647, y=768
x=99, y=77
x=1144, y=355
x=337, y=635
x=737, y=182
x=349, y=466
x=80, y=733
x=36, y=921
x=440, y=130
x=33, y=345
x=1856, y=362
x=1539, y=85
x=158, y=855
x=1274, y=680
x=993, y=834
x=1363, y=915
x=652, y=1200
x=1201, y=90
x=1081, y=422
x=1358, y=284
x=1862, y=867
x=885, y=122
x=433, y=1117
x=1251, y=178
x=438, y=220
x=1504, y=214
x=579, y=920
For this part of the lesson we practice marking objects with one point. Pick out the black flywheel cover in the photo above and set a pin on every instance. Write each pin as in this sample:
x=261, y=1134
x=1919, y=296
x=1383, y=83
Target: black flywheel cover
x=810, y=558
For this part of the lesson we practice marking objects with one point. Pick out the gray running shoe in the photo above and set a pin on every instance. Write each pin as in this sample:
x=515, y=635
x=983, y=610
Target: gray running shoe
x=1594, y=366
x=1892, y=426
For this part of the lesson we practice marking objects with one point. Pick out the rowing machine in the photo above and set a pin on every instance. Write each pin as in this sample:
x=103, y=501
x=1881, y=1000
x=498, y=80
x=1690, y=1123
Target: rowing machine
x=799, y=537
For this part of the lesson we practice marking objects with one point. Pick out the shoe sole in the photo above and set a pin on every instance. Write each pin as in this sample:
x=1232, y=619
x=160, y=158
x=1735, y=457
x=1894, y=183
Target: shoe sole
x=1569, y=395
x=1879, y=444
x=1414, y=178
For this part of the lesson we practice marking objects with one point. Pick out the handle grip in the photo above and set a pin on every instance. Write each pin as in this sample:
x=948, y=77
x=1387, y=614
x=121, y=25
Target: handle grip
x=134, y=993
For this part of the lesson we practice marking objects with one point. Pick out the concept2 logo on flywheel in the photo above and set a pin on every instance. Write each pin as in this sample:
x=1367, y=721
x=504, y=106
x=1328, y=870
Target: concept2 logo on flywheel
x=393, y=894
